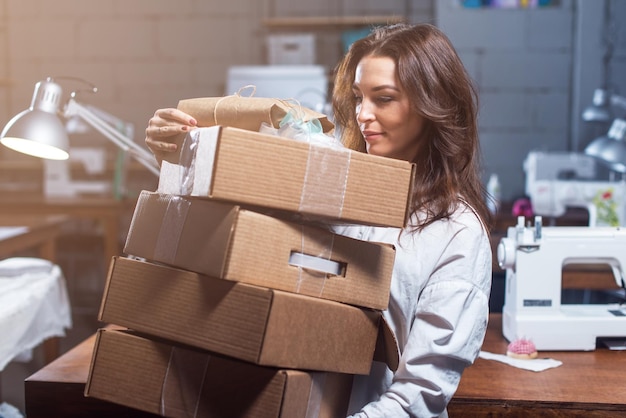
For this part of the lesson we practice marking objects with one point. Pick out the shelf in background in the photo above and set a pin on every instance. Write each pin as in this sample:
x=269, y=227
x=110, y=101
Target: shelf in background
x=337, y=21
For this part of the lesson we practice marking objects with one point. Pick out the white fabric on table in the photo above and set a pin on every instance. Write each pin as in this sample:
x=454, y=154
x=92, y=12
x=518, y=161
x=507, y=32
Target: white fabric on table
x=11, y=231
x=535, y=365
x=34, y=305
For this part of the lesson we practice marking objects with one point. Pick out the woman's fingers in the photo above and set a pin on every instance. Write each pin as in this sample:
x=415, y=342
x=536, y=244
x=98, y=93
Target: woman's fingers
x=164, y=131
x=174, y=116
x=157, y=144
x=165, y=126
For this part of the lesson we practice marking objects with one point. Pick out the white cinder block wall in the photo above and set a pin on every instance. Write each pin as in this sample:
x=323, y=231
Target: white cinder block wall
x=536, y=71
x=524, y=80
x=141, y=54
x=146, y=54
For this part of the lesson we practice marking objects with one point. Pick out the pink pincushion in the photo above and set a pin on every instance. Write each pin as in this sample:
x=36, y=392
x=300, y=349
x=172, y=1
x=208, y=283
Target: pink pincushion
x=522, y=348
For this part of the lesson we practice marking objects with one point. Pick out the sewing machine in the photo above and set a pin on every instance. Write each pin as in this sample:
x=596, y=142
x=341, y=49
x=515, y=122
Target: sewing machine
x=58, y=180
x=533, y=257
x=558, y=180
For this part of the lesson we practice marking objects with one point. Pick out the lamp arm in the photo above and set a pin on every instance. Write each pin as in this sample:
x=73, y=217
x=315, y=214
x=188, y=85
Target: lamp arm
x=73, y=108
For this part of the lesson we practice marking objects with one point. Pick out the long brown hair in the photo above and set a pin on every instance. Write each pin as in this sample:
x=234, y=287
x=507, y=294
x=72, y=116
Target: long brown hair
x=433, y=76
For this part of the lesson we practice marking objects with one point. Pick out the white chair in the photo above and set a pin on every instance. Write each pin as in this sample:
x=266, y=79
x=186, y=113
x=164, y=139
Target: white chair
x=34, y=306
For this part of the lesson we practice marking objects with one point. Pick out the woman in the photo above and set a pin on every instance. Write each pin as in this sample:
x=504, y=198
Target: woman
x=402, y=92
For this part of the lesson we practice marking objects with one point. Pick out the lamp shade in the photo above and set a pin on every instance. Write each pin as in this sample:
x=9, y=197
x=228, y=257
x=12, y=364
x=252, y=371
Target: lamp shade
x=611, y=149
x=38, y=131
x=599, y=111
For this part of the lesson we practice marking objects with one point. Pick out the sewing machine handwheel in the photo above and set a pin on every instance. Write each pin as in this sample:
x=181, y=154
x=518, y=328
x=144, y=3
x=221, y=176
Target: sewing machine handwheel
x=506, y=253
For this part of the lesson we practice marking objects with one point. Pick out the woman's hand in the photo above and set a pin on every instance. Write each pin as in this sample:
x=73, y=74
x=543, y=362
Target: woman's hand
x=164, y=128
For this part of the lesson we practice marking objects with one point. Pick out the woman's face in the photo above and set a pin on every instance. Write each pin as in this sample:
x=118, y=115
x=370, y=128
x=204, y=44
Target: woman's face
x=383, y=110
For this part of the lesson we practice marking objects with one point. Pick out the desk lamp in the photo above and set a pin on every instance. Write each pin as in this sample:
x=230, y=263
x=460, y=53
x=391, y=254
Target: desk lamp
x=609, y=149
x=38, y=130
x=599, y=111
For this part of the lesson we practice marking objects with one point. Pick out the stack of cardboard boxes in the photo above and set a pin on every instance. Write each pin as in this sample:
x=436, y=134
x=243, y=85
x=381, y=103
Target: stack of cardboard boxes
x=237, y=302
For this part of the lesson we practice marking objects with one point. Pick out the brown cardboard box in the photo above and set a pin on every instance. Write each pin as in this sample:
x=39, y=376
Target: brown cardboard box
x=175, y=381
x=273, y=172
x=230, y=242
x=251, y=323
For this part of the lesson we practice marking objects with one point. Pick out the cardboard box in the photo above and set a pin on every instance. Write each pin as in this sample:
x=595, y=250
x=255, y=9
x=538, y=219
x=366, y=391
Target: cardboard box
x=230, y=242
x=291, y=49
x=175, y=381
x=58, y=389
x=318, y=181
x=251, y=323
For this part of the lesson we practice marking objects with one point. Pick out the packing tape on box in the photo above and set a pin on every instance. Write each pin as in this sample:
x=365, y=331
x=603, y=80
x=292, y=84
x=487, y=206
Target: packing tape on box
x=188, y=162
x=171, y=228
x=184, y=379
x=316, y=394
x=325, y=181
x=183, y=382
x=313, y=269
x=313, y=259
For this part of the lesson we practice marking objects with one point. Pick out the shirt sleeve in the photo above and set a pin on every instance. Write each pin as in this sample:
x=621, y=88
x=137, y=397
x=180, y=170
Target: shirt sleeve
x=447, y=330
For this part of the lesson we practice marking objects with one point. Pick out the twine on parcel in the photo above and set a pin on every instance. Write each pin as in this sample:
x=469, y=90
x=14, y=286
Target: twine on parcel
x=184, y=378
x=236, y=95
x=247, y=113
x=291, y=103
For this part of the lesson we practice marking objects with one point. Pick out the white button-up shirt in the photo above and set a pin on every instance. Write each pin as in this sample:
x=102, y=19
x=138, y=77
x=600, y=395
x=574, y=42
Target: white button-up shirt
x=438, y=310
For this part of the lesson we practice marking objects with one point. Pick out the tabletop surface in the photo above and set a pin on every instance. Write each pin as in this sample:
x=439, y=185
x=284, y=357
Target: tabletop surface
x=590, y=383
x=585, y=377
x=23, y=232
x=31, y=221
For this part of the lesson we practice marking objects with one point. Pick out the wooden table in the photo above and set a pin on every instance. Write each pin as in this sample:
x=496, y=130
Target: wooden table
x=57, y=389
x=587, y=384
x=40, y=234
x=106, y=211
